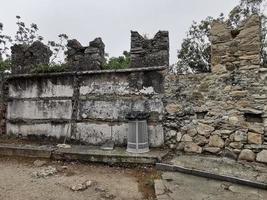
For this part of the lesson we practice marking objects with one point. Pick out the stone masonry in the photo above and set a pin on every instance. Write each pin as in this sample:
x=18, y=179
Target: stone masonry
x=89, y=107
x=149, y=52
x=223, y=112
x=80, y=58
x=24, y=57
x=236, y=48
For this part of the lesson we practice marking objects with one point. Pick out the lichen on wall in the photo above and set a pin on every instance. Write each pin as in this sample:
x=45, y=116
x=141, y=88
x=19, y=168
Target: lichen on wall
x=89, y=107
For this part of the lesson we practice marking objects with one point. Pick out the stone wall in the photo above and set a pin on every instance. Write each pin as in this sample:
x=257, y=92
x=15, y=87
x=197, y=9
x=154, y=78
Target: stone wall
x=217, y=113
x=235, y=48
x=25, y=57
x=90, y=107
x=224, y=112
x=80, y=58
x=149, y=52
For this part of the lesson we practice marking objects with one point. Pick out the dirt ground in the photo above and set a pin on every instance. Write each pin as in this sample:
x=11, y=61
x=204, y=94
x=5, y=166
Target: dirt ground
x=18, y=181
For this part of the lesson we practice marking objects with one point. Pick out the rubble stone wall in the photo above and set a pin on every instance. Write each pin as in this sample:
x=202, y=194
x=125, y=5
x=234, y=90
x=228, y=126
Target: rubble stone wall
x=80, y=58
x=223, y=112
x=149, y=52
x=25, y=57
x=235, y=48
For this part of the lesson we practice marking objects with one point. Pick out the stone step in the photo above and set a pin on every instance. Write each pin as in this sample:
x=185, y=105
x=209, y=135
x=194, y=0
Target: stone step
x=26, y=150
x=84, y=153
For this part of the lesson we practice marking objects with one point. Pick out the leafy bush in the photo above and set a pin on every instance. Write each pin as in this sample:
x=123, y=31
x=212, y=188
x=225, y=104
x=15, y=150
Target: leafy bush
x=5, y=65
x=121, y=62
x=51, y=68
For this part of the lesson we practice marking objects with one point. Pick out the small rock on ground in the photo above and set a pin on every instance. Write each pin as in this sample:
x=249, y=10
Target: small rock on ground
x=39, y=163
x=49, y=171
x=81, y=186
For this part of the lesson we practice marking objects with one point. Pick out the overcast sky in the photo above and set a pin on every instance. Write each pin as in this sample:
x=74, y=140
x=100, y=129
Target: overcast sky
x=111, y=19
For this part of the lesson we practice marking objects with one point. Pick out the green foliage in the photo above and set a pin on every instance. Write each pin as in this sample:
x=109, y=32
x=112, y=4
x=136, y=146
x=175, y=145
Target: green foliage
x=5, y=65
x=243, y=10
x=195, y=52
x=51, y=68
x=121, y=62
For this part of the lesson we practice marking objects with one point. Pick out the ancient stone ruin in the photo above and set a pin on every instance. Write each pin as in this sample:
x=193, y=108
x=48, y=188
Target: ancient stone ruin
x=222, y=113
x=25, y=57
x=236, y=48
x=149, y=52
x=80, y=58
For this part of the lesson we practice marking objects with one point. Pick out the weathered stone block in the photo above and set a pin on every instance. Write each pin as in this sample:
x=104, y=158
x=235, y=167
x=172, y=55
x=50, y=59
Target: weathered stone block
x=172, y=108
x=216, y=141
x=204, y=129
x=212, y=149
x=240, y=136
x=39, y=130
x=247, y=155
x=186, y=138
x=262, y=156
x=254, y=138
x=98, y=133
x=191, y=147
x=42, y=87
x=39, y=109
